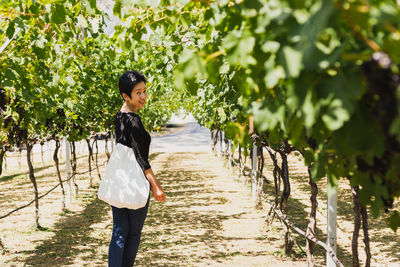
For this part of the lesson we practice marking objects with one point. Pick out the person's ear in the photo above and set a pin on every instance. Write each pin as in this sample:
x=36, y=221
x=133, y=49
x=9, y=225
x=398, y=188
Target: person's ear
x=125, y=96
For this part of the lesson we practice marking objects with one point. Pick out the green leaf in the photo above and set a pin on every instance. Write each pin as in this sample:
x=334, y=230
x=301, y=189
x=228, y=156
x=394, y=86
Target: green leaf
x=231, y=130
x=34, y=8
x=82, y=21
x=310, y=109
x=11, y=74
x=296, y=131
x=117, y=8
x=58, y=14
x=137, y=36
x=10, y=30
x=221, y=114
x=394, y=221
x=340, y=93
x=239, y=46
x=336, y=115
x=318, y=170
x=19, y=22
x=192, y=65
x=292, y=61
x=69, y=80
x=273, y=76
x=270, y=47
x=360, y=136
x=56, y=80
x=267, y=117
x=90, y=6
x=224, y=68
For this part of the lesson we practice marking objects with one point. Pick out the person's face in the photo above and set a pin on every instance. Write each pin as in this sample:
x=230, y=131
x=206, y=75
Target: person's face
x=138, y=96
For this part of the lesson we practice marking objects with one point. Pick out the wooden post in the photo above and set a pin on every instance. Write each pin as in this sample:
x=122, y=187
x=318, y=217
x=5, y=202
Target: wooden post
x=68, y=168
x=254, y=175
x=331, y=225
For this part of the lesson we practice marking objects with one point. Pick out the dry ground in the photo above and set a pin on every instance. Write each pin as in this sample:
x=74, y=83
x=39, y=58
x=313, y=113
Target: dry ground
x=385, y=244
x=208, y=220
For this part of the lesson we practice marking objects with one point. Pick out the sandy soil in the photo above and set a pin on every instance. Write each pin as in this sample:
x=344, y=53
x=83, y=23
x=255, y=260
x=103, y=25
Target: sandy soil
x=385, y=244
x=208, y=220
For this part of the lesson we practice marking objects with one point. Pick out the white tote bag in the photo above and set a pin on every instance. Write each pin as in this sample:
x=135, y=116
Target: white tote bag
x=123, y=184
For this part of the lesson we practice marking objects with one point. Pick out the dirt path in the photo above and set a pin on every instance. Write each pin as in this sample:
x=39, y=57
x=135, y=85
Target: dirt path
x=208, y=220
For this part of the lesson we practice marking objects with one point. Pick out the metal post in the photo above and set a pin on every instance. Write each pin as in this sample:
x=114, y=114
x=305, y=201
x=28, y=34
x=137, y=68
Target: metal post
x=112, y=142
x=212, y=141
x=19, y=158
x=68, y=168
x=222, y=143
x=218, y=144
x=331, y=225
x=254, y=175
x=61, y=150
x=5, y=162
x=41, y=152
x=240, y=176
x=49, y=154
x=230, y=148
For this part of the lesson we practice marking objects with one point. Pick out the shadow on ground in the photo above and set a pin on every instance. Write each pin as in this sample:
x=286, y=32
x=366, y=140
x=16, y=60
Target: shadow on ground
x=72, y=237
x=187, y=229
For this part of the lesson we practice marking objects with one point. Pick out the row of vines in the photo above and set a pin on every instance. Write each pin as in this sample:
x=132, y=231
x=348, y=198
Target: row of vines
x=317, y=77
x=59, y=78
x=249, y=165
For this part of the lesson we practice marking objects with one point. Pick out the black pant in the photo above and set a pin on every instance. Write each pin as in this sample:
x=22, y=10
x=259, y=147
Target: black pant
x=127, y=229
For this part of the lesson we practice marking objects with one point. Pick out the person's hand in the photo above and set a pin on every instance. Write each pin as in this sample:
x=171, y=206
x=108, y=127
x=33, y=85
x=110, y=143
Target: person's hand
x=157, y=190
x=158, y=193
